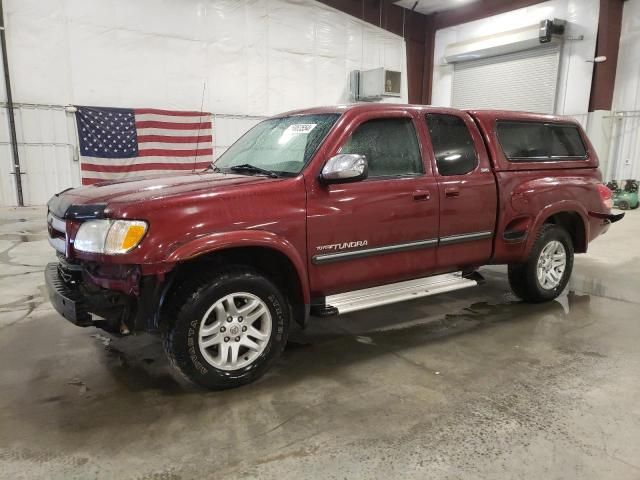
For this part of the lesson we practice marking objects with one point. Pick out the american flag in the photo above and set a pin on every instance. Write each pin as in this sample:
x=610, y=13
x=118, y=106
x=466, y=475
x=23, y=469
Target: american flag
x=117, y=143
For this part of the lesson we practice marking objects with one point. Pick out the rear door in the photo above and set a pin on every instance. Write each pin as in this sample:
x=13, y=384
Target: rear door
x=382, y=229
x=467, y=190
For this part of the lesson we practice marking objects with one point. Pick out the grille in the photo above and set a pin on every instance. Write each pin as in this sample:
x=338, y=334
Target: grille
x=57, y=233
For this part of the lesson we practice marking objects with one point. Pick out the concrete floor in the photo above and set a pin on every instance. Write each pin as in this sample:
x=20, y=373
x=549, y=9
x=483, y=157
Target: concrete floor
x=471, y=384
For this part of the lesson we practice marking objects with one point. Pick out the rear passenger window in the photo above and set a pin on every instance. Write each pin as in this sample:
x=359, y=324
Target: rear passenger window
x=390, y=146
x=566, y=141
x=531, y=141
x=452, y=144
x=523, y=141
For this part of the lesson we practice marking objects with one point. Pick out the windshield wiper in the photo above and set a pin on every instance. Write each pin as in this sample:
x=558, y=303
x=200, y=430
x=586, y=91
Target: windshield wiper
x=247, y=167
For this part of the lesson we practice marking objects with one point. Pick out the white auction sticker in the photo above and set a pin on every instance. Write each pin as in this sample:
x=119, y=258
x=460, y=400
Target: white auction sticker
x=300, y=128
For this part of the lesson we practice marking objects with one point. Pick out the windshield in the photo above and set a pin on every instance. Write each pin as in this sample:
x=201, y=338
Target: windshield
x=281, y=145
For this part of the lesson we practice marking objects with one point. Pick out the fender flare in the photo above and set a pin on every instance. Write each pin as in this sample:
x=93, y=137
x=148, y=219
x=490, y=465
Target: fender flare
x=568, y=206
x=215, y=242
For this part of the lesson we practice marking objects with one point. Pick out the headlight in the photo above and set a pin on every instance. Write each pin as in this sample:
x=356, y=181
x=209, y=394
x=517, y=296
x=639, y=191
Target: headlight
x=109, y=236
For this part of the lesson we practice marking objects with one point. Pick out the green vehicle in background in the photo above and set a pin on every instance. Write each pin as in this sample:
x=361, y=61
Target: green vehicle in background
x=625, y=194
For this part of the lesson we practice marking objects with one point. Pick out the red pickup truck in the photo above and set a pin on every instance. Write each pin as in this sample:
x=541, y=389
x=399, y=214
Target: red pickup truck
x=322, y=212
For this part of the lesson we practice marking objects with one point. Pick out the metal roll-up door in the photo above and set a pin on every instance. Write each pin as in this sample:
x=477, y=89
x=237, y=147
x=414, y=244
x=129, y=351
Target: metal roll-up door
x=524, y=80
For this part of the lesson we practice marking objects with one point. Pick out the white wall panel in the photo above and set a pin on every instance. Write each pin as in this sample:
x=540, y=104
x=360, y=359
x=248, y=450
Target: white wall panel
x=625, y=147
x=625, y=140
x=39, y=59
x=47, y=150
x=627, y=87
x=256, y=57
x=159, y=53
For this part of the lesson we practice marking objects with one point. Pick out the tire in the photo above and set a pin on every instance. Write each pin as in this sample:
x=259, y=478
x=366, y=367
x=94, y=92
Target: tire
x=217, y=353
x=623, y=205
x=524, y=279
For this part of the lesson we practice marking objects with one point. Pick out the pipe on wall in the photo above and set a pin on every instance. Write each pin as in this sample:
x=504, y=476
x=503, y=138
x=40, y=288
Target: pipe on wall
x=12, y=122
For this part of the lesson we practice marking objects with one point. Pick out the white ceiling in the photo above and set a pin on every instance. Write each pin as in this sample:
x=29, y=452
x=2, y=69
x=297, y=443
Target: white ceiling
x=430, y=6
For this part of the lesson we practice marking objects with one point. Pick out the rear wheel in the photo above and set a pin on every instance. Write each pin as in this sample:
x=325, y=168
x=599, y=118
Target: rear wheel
x=227, y=331
x=547, y=271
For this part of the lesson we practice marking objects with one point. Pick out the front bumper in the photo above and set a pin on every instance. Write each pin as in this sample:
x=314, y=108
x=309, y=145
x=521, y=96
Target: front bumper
x=85, y=304
x=67, y=301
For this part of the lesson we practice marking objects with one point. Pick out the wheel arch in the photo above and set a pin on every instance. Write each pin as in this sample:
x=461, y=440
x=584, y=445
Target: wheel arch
x=268, y=253
x=570, y=215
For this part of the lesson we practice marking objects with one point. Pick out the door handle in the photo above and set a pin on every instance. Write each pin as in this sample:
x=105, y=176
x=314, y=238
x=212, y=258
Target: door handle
x=419, y=195
x=451, y=192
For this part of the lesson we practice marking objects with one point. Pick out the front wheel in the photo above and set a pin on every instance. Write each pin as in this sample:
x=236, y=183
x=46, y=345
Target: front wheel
x=227, y=331
x=547, y=271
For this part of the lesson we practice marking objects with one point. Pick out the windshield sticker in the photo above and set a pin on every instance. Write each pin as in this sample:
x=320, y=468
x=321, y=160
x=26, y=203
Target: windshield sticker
x=299, y=128
x=293, y=131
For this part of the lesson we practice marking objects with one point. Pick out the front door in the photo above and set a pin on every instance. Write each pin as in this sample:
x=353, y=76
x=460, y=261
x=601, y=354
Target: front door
x=382, y=229
x=467, y=188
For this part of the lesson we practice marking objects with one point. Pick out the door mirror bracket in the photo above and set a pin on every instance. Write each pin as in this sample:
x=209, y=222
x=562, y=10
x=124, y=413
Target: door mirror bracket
x=345, y=167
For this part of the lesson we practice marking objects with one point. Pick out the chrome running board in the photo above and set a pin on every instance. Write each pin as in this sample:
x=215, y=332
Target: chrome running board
x=394, y=292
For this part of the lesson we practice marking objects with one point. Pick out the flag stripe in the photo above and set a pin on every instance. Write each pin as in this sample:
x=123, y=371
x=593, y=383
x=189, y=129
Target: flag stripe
x=172, y=133
x=107, y=176
x=87, y=167
x=147, y=160
x=176, y=147
x=163, y=152
x=171, y=119
x=90, y=181
x=176, y=113
x=176, y=139
x=173, y=126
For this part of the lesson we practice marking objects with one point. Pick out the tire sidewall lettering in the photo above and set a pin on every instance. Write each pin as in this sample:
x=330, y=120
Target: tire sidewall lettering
x=195, y=358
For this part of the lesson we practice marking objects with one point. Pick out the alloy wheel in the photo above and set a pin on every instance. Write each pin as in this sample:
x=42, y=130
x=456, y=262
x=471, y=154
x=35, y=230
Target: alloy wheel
x=234, y=331
x=552, y=263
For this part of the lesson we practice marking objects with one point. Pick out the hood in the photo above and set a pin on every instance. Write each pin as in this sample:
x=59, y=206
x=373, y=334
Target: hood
x=91, y=201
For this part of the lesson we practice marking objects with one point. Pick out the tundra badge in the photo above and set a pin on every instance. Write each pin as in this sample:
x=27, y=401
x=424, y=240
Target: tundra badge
x=341, y=246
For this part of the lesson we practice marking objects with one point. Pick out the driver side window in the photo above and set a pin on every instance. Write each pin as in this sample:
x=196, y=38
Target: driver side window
x=390, y=146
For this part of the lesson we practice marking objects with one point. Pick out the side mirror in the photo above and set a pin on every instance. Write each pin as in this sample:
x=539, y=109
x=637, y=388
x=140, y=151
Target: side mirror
x=345, y=167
